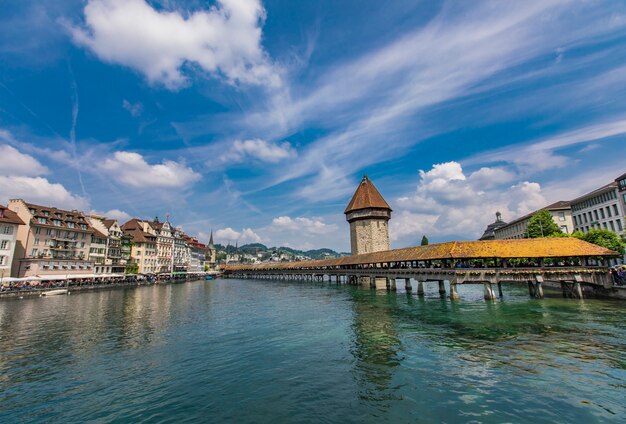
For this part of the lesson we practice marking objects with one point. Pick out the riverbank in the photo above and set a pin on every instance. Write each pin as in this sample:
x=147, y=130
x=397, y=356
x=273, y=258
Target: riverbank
x=90, y=287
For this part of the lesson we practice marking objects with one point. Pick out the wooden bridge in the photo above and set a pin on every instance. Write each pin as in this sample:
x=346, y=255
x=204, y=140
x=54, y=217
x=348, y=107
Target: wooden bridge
x=572, y=264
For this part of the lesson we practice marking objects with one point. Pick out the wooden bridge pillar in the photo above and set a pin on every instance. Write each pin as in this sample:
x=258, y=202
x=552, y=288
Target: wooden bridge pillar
x=578, y=290
x=391, y=283
x=454, y=295
x=407, y=285
x=500, y=289
x=420, y=288
x=489, y=294
x=442, y=288
x=372, y=282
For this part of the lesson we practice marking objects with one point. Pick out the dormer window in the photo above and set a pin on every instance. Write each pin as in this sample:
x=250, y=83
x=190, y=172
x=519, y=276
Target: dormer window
x=42, y=220
x=46, y=213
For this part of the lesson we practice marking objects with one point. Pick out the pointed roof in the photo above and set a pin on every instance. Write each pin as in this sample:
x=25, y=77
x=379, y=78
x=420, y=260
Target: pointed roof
x=366, y=196
x=211, y=239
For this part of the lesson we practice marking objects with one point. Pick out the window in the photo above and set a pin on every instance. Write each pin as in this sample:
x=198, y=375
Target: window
x=615, y=210
x=561, y=216
x=4, y=245
x=3, y=260
x=42, y=220
x=36, y=240
x=34, y=251
x=595, y=213
x=46, y=213
x=7, y=229
x=71, y=225
x=49, y=232
x=612, y=226
x=608, y=211
x=38, y=230
x=56, y=222
x=564, y=228
x=602, y=213
x=604, y=225
x=619, y=224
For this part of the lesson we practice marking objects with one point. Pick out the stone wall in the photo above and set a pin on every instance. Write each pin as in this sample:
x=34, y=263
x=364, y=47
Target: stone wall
x=369, y=235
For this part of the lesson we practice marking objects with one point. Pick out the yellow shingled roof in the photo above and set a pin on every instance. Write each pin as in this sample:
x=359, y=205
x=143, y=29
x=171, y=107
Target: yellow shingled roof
x=503, y=249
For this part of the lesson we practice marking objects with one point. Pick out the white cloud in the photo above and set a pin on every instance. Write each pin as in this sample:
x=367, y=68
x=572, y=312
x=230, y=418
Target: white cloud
x=40, y=191
x=303, y=225
x=135, y=109
x=132, y=169
x=16, y=163
x=121, y=216
x=224, y=40
x=262, y=150
x=229, y=235
x=448, y=202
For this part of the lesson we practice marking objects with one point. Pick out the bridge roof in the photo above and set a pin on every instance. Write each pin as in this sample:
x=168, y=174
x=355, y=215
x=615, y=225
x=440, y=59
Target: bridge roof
x=487, y=249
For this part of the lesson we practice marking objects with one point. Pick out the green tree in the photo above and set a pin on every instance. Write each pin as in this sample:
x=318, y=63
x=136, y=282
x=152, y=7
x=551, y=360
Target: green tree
x=424, y=241
x=605, y=238
x=542, y=225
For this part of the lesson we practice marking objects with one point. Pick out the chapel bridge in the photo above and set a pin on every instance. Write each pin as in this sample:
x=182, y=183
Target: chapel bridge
x=574, y=265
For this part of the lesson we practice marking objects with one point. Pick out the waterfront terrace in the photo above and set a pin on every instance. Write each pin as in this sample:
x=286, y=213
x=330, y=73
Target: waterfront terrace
x=573, y=264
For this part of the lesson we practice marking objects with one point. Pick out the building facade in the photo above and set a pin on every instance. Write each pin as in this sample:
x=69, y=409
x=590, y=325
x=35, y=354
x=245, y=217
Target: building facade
x=143, y=245
x=561, y=215
x=211, y=254
x=165, y=245
x=9, y=225
x=600, y=209
x=368, y=214
x=181, y=252
x=51, y=242
x=621, y=190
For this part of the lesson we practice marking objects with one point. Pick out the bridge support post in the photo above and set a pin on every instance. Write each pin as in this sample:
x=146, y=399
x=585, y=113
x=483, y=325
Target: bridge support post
x=372, y=282
x=420, y=288
x=391, y=283
x=578, y=290
x=454, y=295
x=500, y=289
x=489, y=294
x=442, y=289
x=407, y=285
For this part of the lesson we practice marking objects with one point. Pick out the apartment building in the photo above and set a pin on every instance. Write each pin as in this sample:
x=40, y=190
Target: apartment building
x=144, y=245
x=165, y=244
x=197, y=254
x=9, y=224
x=602, y=208
x=119, y=247
x=52, y=241
x=561, y=212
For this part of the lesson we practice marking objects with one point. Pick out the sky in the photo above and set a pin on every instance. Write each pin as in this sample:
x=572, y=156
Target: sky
x=257, y=119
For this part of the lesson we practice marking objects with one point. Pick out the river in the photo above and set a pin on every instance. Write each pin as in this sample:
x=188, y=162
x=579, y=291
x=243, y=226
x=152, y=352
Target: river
x=273, y=351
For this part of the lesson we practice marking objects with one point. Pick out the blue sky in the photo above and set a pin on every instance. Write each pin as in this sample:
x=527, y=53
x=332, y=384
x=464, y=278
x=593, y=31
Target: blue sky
x=258, y=119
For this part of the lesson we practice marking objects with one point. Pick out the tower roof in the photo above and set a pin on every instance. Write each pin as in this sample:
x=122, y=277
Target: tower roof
x=366, y=196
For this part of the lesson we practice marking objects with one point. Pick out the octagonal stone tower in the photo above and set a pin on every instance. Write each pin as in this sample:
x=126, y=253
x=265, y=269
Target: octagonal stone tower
x=368, y=214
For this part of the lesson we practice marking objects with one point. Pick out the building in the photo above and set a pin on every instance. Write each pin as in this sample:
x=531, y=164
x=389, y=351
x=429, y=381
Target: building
x=181, y=253
x=211, y=254
x=118, y=247
x=197, y=254
x=489, y=233
x=368, y=214
x=9, y=225
x=561, y=212
x=143, y=245
x=621, y=189
x=52, y=241
x=165, y=245
x=602, y=208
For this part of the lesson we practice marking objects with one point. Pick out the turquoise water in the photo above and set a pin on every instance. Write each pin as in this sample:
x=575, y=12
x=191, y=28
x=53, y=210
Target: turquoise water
x=267, y=352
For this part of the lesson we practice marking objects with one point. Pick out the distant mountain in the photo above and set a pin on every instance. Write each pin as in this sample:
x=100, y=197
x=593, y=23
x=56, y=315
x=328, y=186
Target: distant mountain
x=313, y=254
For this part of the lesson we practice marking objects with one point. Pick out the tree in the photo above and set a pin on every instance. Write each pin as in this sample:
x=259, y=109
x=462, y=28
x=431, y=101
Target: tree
x=542, y=225
x=605, y=238
x=424, y=241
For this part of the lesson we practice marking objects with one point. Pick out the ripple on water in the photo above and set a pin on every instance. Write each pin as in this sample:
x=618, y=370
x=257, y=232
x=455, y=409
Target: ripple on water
x=267, y=351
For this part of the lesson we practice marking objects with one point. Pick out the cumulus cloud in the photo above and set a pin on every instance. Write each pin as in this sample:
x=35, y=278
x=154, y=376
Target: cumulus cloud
x=132, y=169
x=449, y=202
x=303, y=225
x=121, y=216
x=16, y=163
x=41, y=191
x=135, y=109
x=20, y=178
x=265, y=151
x=224, y=40
x=229, y=235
